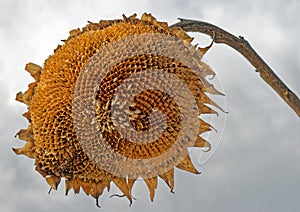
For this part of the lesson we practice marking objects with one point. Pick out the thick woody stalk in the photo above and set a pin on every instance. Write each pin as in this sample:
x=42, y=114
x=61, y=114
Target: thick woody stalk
x=243, y=47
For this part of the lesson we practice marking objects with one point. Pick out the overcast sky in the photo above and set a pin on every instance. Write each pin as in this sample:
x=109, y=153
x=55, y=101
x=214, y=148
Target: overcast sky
x=256, y=166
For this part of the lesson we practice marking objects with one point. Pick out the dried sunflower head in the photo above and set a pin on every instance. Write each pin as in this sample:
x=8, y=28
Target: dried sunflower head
x=119, y=100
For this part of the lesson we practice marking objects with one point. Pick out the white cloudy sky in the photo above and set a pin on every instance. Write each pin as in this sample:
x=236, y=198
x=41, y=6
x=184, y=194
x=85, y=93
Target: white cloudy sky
x=255, y=168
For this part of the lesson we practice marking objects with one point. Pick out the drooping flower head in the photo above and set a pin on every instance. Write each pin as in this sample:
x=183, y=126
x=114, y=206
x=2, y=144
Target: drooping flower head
x=118, y=101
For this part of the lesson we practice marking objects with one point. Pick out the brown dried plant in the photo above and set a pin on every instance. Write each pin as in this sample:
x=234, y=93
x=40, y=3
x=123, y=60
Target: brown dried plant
x=52, y=137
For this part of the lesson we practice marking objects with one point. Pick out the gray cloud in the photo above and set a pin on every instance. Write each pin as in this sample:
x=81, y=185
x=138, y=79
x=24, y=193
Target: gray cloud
x=255, y=167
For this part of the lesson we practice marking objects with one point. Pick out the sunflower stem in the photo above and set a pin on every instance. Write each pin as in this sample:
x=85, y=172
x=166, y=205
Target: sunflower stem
x=243, y=47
